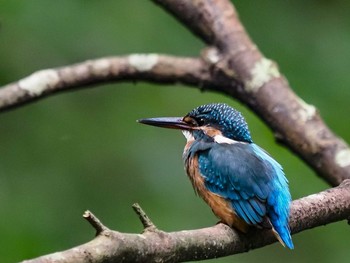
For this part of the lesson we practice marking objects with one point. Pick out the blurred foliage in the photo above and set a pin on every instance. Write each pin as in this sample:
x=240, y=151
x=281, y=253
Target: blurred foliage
x=84, y=150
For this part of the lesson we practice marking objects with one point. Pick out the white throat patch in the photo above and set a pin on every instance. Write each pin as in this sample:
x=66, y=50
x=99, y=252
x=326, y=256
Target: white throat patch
x=188, y=135
x=222, y=139
x=218, y=138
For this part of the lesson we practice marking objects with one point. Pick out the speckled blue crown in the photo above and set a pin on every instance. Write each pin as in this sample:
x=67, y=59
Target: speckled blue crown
x=223, y=117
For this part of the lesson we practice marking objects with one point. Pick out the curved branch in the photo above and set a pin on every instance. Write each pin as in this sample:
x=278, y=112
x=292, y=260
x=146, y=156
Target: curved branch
x=217, y=241
x=265, y=90
x=147, y=67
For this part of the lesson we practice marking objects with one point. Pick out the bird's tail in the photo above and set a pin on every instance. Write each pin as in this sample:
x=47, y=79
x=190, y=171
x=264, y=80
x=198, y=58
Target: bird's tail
x=282, y=233
x=278, y=215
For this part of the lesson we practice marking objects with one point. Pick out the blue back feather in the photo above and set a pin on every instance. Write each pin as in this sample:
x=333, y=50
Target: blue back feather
x=250, y=179
x=279, y=199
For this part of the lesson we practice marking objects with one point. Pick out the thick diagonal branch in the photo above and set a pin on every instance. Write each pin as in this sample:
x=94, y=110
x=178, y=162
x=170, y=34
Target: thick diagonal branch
x=217, y=241
x=264, y=89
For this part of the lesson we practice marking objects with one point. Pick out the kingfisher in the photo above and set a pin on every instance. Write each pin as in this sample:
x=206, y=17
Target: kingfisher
x=243, y=185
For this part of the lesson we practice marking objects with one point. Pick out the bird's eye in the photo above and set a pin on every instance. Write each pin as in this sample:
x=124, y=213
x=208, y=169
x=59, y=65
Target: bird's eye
x=200, y=121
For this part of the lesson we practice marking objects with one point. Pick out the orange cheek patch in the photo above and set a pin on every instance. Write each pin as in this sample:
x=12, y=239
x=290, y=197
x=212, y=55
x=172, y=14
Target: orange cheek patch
x=210, y=131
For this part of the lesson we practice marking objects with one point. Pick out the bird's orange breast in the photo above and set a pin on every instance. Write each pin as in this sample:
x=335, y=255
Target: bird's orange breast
x=220, y=206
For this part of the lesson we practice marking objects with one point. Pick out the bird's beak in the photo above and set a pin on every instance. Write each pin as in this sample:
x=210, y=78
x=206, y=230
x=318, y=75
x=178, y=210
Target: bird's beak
x=167, y=122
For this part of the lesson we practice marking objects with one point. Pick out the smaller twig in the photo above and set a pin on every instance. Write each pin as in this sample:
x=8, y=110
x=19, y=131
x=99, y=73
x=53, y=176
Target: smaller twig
x=145, y=220
x=95, y=222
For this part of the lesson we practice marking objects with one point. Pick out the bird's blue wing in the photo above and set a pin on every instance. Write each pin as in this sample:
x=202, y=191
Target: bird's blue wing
x=242, y=174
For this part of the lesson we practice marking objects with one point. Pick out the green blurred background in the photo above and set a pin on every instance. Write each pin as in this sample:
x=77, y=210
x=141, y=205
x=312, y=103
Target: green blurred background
x=84, y=150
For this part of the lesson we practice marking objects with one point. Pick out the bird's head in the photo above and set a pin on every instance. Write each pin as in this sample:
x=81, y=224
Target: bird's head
x=217, y=121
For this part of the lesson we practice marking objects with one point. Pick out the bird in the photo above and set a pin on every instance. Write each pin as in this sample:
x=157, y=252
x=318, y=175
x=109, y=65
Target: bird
x=242, y=184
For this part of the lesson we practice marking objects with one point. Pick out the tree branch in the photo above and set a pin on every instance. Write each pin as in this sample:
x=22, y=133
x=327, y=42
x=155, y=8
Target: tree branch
x=265, y=90
x=157, y=246
x=147, y=67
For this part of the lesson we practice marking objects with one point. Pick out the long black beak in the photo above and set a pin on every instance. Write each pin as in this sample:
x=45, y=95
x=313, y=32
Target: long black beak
x=167, y=122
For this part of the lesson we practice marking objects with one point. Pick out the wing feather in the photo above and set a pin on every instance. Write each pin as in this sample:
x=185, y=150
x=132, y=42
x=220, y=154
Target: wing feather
x=236, y=173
